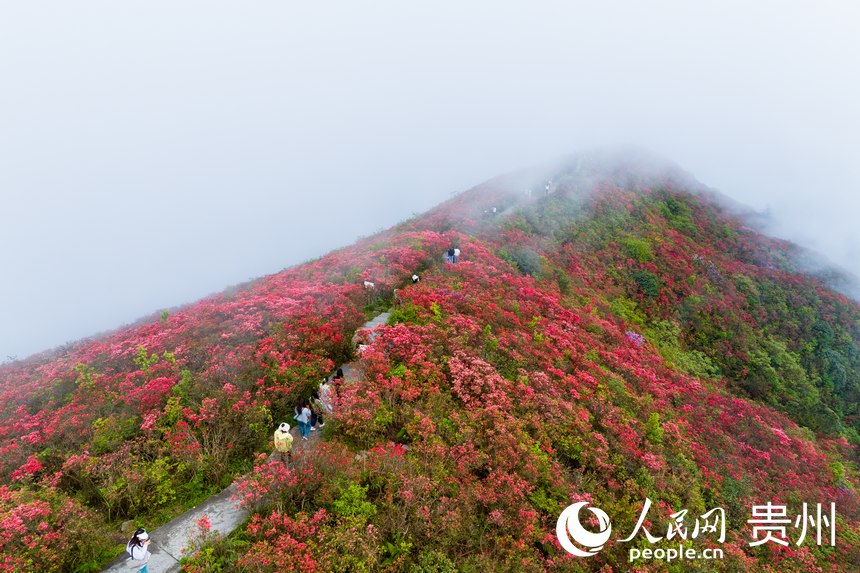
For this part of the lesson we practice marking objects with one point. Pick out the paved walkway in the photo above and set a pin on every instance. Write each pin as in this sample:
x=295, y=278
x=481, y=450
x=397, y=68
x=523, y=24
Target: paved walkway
x=224, y=513
x=372, y=324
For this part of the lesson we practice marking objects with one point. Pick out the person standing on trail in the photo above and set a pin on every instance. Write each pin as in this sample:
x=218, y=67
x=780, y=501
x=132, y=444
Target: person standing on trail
x=316, y=408
x=304, y=420
x=451, y=255
x=325, y=398
x=313, y=420
x=138, y=549
x=456, y=254
x=284, y=441
x=298, y=412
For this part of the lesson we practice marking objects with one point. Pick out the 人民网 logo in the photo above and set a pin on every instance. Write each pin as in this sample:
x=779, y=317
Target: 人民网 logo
x=569, y=530
x=770, y=524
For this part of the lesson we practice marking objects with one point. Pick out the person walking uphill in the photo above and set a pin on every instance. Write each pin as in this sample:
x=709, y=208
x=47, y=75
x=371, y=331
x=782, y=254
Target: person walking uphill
x=283, y=441
x=138, y=549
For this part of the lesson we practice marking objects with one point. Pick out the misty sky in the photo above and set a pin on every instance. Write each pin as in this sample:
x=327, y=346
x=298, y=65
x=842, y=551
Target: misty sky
x=154, y=152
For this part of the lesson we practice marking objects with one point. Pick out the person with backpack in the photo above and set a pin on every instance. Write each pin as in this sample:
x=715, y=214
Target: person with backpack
x=138, y=549
x=317, y=408
x=284, y=441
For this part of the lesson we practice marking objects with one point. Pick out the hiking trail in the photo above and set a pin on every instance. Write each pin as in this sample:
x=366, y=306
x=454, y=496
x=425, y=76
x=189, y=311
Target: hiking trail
x=224, y=513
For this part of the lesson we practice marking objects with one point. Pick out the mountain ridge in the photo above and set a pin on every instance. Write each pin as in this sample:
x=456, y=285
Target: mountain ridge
x=650, y=168
x=618, y=336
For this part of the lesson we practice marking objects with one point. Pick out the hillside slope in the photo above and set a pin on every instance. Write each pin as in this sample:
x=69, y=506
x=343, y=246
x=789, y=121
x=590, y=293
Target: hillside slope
x=612, y=332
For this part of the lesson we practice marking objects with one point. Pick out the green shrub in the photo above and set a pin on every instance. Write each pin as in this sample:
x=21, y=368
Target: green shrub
x=665, y=336
x=526, y=260
x=626, y=309
x=353, y=503
x=647, y=282
x=678, y=214
x=406, y=313
x=110, y=433
x=563, y=281
x=639, y=249
x=653, y=429
x=431, y=561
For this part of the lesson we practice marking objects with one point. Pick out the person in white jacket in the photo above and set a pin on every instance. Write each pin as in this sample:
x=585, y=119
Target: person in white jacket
x=325, y=397
x=138, y=548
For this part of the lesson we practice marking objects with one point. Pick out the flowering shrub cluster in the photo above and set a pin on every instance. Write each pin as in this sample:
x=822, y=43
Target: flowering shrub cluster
x=145, y=422
x=630, y=344
x=46, y=530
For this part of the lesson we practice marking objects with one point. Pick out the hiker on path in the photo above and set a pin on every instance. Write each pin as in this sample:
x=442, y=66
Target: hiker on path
x=304, y=420
x=317, y=408
x=325, y=397
x=138, y=549
x=456, y=254
x=298, y=412
x=284, y=441
x=298, y=408
x=313, y=420
x=451, y=255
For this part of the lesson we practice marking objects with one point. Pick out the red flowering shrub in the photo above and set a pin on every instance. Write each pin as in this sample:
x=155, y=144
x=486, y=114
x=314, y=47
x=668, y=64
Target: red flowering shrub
x=43, y=530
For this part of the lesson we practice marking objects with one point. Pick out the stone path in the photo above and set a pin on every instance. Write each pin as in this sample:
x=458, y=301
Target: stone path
x=372, y=324
x=224, y=513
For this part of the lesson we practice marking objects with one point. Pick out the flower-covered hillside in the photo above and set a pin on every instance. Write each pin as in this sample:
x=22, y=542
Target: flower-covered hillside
x=604, y=336
x=147, y=421
x=496, y=399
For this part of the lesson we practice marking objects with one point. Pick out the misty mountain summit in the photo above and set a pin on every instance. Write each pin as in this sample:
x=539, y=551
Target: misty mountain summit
x=612, y=331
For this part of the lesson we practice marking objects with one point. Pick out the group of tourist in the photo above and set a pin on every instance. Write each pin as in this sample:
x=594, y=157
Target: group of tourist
x=309, y=414
x=452, y=254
